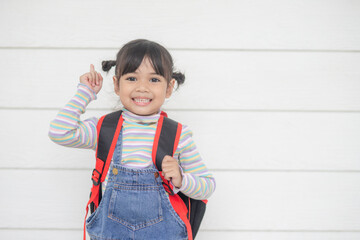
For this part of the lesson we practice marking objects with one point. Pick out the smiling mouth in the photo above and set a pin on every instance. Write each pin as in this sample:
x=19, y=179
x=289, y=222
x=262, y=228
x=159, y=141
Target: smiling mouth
x=141, y=101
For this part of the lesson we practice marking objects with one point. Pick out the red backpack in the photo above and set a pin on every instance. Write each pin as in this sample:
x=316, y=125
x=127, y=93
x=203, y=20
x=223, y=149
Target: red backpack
x=166, y=140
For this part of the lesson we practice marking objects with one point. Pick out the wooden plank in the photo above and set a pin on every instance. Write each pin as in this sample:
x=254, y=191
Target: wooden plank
x=215, y=80
x=202, y=235
x=226, y=140
x=244, y=201
x=233, y=235
x=234, y=24
x=40, y=234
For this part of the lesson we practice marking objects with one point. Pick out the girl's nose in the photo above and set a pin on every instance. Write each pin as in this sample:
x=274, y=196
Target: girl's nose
x=142, y=86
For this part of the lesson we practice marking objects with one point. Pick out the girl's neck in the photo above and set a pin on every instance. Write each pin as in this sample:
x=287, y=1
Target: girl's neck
x=132, y=117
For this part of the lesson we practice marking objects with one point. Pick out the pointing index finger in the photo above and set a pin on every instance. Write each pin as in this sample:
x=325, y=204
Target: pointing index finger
x=92, y=69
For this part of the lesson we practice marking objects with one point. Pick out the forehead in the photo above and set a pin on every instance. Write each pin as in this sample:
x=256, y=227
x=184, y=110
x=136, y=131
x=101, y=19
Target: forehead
x=146, y=66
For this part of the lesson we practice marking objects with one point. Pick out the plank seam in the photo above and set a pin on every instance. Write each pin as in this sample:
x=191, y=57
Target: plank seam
x=191, y=49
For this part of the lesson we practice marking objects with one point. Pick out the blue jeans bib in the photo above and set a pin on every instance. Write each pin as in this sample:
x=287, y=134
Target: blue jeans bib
x=134, y=206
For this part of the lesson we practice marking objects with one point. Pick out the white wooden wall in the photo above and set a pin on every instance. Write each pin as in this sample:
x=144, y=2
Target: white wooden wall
x=272, y=94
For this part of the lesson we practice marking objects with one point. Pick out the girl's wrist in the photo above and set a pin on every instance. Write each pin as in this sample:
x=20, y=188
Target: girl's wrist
x=86, y=88
x=179, y=186
x=176, y=189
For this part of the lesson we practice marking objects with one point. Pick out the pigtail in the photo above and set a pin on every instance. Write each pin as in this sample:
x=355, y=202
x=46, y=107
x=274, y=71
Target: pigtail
x=179, y=77
x=107, y=65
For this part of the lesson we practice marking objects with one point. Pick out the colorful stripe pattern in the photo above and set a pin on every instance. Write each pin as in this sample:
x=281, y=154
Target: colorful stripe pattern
x=67, y=129
x=138, y=135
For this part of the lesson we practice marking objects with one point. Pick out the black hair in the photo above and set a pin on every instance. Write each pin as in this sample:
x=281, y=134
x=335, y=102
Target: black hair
x=131, y=55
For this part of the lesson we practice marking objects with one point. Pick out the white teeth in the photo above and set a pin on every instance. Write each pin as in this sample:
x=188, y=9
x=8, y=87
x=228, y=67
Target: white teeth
x=142, y=100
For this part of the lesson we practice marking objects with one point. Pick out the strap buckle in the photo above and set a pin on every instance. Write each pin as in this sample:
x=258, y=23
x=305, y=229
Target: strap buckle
x=96, y=176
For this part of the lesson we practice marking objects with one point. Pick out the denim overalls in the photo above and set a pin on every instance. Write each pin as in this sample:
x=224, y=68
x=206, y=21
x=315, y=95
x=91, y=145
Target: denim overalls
x=134, y=206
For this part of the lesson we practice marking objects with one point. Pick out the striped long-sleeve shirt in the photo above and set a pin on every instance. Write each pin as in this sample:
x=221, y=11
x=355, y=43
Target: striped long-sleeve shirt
x=138, y=134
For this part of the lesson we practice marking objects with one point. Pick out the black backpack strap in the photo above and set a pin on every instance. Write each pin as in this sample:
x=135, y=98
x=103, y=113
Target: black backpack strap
x=106, y=135
x=108, y=129
x=167, y=141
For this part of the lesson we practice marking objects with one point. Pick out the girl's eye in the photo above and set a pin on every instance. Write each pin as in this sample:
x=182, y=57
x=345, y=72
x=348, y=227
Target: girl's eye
x=154, y=80
x=131, y=79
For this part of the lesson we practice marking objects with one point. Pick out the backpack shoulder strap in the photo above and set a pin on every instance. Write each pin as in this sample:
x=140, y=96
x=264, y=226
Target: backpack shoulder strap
x=109, y=128
x=166, y=140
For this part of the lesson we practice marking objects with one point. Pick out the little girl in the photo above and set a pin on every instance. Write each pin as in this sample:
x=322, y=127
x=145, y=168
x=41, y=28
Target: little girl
x=144, y=78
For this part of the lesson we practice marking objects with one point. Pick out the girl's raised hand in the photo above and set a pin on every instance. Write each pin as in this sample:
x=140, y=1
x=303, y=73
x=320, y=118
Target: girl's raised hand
x=92, y=79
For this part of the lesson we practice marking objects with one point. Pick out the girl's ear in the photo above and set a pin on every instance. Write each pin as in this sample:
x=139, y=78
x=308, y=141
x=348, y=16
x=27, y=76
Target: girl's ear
x=170, y=88
x=116, y=86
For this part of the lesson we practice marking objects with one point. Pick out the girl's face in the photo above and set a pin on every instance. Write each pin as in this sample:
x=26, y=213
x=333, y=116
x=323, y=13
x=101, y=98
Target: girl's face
x=143, y=92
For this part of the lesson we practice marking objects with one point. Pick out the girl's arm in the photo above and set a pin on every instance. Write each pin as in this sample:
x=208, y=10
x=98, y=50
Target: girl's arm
x=197, y=182
x=67, y=129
